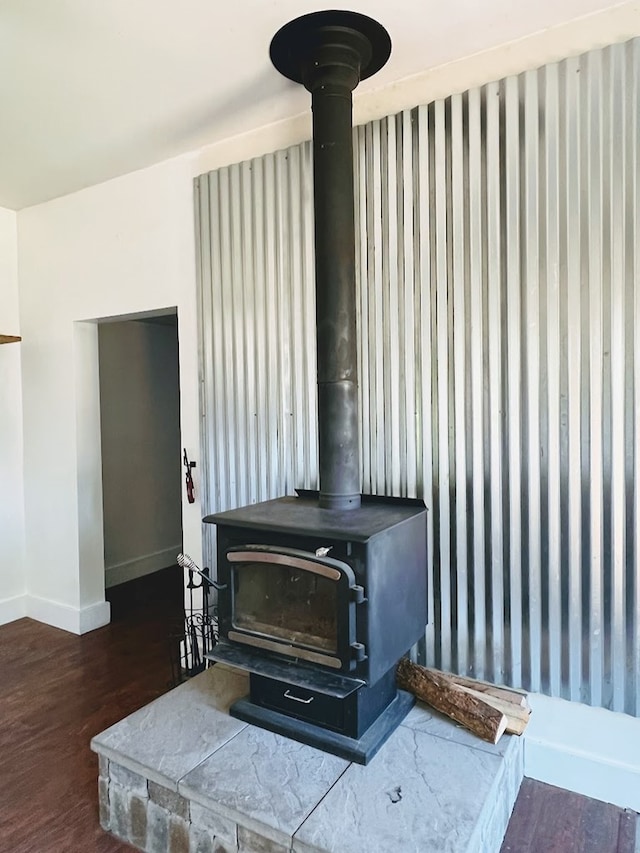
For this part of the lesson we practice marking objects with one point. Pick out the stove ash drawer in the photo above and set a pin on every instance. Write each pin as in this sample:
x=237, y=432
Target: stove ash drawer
x=308, y=705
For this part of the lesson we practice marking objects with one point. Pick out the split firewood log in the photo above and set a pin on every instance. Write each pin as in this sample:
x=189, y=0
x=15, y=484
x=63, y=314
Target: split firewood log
x=517, y=716
x=507, y=694
x=483, y=708
x=442, y=694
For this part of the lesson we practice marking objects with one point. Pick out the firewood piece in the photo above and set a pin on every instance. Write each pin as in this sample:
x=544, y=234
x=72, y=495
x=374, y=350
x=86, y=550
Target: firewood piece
x=515, y=697
x=507, y=694
x=512, y=703
x=442, y=694
x=517, y=716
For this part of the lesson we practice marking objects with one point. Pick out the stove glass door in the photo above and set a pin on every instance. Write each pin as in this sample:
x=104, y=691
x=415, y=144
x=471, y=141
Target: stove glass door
x=286, y=597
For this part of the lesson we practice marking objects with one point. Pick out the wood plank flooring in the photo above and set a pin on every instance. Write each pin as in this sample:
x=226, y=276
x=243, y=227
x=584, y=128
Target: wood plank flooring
x=58, y=690
x=550, y=820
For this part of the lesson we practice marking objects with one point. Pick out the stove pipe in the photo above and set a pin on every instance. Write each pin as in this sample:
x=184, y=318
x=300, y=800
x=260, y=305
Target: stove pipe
x=330, y=52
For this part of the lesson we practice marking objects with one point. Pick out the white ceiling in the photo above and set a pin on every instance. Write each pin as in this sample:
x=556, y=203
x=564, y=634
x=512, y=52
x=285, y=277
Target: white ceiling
x=91, y=89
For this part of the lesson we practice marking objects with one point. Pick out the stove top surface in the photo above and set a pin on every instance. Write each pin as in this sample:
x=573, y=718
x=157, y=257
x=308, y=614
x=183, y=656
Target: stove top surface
x=301, y=515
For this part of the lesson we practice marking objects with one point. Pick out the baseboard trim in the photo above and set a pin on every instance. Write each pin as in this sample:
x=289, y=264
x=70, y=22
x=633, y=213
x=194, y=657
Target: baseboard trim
x=13, y=608
x=76, y=620
x=588, y=750
x=94, y=616
x=140, y=566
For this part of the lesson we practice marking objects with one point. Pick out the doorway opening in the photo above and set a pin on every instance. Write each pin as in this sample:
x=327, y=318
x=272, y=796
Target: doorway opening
x=141, y=445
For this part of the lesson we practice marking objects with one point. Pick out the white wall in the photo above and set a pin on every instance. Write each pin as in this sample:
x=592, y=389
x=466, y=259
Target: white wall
x=141, y=458
x=592, y=751
x=12, y=579
x=119, y=248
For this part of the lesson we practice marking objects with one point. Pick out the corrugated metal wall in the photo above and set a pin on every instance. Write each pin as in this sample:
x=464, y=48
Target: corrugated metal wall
x=498, y=249
x=257, y=331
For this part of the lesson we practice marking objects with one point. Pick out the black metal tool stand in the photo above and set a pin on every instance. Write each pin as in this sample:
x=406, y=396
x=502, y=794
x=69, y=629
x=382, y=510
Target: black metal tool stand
x=198, y=633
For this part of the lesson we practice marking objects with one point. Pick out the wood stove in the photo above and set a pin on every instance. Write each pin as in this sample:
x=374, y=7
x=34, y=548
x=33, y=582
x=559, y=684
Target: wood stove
x=319, y=605
x=325, y=591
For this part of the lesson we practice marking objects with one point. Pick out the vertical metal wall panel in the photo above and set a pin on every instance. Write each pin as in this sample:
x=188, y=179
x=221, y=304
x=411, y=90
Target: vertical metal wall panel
x=513, y=395
x=595, y=285
x=633, y=228
x=476, y=356
x=409, y=271
x=633, y=206
x=618, y=129
x=459, y=303
x=440, y=283
x=574, y=434
x=532, y=334
x=553, y=369
x=498, y=278
x=494, y=288
x=424, y=362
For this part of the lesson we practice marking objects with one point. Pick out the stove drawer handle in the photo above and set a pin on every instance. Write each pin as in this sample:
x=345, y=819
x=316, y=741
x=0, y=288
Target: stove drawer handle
x=288, y=695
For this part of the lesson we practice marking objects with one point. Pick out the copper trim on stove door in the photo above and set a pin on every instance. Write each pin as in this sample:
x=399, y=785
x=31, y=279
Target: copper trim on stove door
x=284, y=560
x=285, y=649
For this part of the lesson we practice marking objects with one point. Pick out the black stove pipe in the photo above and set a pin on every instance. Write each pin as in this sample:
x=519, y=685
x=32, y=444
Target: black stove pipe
x=330, y=52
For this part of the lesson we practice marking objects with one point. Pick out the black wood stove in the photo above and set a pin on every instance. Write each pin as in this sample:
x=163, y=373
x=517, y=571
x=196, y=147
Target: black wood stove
x=319, y=605
x=325, y=591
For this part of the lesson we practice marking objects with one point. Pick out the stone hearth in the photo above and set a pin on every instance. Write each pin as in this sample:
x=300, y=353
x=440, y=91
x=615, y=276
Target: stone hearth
x=182, y=776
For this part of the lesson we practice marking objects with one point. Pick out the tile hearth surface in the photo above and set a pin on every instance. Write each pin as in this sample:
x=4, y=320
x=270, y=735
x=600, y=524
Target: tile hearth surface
x=182, y=776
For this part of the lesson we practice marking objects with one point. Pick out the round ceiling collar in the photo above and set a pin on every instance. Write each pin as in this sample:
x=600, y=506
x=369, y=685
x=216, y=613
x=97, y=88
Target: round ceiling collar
x=293, y=44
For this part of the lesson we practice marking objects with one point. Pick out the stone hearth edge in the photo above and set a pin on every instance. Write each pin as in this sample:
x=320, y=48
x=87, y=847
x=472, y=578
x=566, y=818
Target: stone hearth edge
x=182, y=776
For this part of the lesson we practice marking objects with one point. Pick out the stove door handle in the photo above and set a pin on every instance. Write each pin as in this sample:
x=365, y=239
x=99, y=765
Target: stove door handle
x=357, y=594
x=288, y=695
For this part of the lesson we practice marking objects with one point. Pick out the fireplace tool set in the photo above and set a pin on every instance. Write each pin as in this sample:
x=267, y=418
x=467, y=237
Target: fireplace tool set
x=198, y=633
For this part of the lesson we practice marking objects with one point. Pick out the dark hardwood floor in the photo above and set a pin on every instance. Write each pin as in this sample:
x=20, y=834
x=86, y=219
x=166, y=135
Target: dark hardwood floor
x=58, y=690
x=550, y=820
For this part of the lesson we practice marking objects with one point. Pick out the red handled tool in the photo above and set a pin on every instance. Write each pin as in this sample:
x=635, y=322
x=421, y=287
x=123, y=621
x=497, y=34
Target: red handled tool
x=188, y=478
